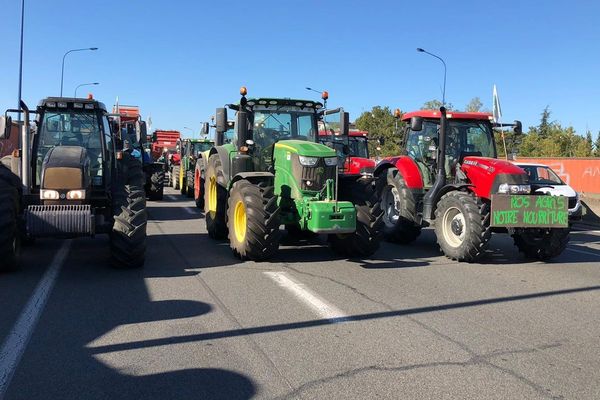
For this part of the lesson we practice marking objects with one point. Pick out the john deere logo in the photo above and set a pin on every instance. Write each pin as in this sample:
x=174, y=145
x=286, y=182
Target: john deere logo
x=320, y=171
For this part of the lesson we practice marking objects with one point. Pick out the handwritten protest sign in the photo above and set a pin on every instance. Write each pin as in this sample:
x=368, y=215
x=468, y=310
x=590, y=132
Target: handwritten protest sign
x=525, y=211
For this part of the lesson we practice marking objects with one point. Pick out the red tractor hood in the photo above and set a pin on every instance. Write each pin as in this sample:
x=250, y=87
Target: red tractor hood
x=358, y=165
x=486, y=174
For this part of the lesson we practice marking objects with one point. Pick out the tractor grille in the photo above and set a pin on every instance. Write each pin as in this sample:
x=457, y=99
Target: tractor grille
x=316, y=176
x=60, y=220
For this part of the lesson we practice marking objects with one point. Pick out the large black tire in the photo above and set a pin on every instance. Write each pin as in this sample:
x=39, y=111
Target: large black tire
x=365, y=240
x=189, y=184
x=199, y=184
x=175, y=177
x=157, y=184
x=253, y=221
x=399, y=208
x=128, y=235
x=542, y=244
x=10, y=237
x=462, y=226
x=215, y=207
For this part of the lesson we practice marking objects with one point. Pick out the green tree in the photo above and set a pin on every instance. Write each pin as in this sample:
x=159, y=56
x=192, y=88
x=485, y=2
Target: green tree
x=381, y=123
x=435, y=105
x=474, y=105
x=545, y=124
x=597, y=146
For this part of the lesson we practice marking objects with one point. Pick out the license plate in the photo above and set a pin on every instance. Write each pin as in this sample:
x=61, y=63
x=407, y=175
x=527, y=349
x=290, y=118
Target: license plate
x=529, y=211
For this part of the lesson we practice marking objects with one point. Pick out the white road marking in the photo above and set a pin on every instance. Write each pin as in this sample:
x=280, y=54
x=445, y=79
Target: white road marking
x=15, y=344
x=309, y=298
x=589, y=253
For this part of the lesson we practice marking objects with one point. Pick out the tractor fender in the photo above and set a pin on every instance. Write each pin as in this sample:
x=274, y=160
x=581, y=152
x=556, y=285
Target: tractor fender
x=223, y=153
x=253, y=177
x=406, y=166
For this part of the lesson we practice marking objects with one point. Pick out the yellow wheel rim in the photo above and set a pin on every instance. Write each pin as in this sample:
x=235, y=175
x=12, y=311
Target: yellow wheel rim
x=212, y=195
x=239, y=221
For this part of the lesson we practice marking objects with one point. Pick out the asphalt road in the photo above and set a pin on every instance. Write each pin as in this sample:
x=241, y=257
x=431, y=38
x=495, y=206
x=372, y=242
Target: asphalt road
x=196, y=323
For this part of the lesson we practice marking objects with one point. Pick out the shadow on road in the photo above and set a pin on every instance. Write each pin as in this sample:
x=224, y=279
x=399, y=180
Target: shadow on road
x=349, y=319
x=89, y=302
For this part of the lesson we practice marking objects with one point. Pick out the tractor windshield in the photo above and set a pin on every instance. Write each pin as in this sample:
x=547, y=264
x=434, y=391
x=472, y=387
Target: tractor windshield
x=70, y=128
x=200, y=147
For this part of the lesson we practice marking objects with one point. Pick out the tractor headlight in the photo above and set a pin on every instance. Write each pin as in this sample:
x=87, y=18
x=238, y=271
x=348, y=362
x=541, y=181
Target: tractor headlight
x=76, y=195
x=46, y=194
x=308, y=161
x=330, y=161
x=514, y=189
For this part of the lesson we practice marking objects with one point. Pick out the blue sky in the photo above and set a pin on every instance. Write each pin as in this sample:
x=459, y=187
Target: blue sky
x=179, y=60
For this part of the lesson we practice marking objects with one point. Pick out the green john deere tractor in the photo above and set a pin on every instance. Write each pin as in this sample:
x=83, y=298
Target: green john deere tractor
x=276, y=173
x=192, y=151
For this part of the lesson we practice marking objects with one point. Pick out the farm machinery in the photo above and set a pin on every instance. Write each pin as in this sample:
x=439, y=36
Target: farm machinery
x=275, y=172
x=68, y=179
x=448, y=176
x=352, y=150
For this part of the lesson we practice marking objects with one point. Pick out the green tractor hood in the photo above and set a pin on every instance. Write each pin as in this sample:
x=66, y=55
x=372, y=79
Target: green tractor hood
x=304, y=148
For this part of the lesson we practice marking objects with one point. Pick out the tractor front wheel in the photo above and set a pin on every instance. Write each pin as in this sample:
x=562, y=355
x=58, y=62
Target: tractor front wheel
x=253, y=221
x=9, y=227
x=157, y=183
x=462, y=226
x=399, y=208
x=365, y=240
x=175, y=177
x=541, y=244
x=215, y=199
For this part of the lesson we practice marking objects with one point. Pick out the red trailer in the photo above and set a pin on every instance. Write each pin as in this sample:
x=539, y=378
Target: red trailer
x=164, y=140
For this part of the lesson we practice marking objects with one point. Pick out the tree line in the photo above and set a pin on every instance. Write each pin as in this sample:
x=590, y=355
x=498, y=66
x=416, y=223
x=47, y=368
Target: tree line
x=547, y=139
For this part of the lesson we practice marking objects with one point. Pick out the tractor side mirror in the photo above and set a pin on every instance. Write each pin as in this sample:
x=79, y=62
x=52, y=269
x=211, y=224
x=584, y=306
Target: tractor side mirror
x=518, y=129
x=204, y=129
x=140, y=131
x=416, y=124
x=242, y=128
x=344, y=123
x=5, y=126
x=381, y=141
x=221, y=120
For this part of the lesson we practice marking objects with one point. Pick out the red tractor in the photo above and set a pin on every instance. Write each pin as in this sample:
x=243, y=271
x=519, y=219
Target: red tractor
x=449, y=176
x=352, y=150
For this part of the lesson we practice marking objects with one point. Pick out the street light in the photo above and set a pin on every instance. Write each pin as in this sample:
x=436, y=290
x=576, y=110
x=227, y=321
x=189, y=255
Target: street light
x=21, y=58
x=85, y=84
x=189, y=129
x=62, y=73
x=420, y=50
x=324, y=95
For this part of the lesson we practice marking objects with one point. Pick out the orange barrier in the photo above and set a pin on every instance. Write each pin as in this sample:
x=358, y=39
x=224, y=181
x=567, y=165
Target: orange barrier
x=583, y=174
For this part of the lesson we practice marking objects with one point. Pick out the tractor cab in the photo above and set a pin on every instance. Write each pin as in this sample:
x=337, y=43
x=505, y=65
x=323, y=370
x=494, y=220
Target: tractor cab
x=352, y=151
x=467, y=134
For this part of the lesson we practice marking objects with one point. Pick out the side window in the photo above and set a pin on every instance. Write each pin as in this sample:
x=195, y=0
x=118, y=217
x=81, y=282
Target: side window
x=305, y=126
x=107, y=135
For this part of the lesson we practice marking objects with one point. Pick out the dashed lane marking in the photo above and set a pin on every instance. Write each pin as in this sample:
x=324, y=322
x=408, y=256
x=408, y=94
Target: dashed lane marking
x=305, y=295
x=15, y=344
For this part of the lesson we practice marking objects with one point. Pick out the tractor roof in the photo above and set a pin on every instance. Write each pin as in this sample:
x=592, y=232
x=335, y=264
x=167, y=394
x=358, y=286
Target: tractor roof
x=273, y=101
x=58, y=102
x=351, y=133
x=435, y=114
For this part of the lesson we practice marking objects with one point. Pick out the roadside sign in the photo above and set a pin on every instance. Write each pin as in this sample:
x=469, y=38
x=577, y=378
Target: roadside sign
x=526, y=211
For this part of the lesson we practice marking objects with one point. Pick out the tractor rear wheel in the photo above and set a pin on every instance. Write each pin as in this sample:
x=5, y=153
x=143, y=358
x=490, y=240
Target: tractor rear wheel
x=462, y=226
x=253, y=221
x=215, y=199
x=198, y=186
x=9, y=226
x=175, y=177
x=189, y=181
x=157, y=184
x=365, y=240
x=128, y=235
x=541, y=244
x=399, y=208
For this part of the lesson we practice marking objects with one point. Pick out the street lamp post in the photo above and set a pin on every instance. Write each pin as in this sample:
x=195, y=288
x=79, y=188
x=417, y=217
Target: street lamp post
x=85, y=84
x=62, y=72
x=420, y=50
x=21, y=58
x=189, y=129
x=324, y=95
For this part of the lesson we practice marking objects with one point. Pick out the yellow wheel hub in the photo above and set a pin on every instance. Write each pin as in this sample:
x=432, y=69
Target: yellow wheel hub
x=212, y=195
x=239, y=221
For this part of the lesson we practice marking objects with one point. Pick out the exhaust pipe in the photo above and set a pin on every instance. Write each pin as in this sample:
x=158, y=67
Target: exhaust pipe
x=25, y=150
x=440, y=178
